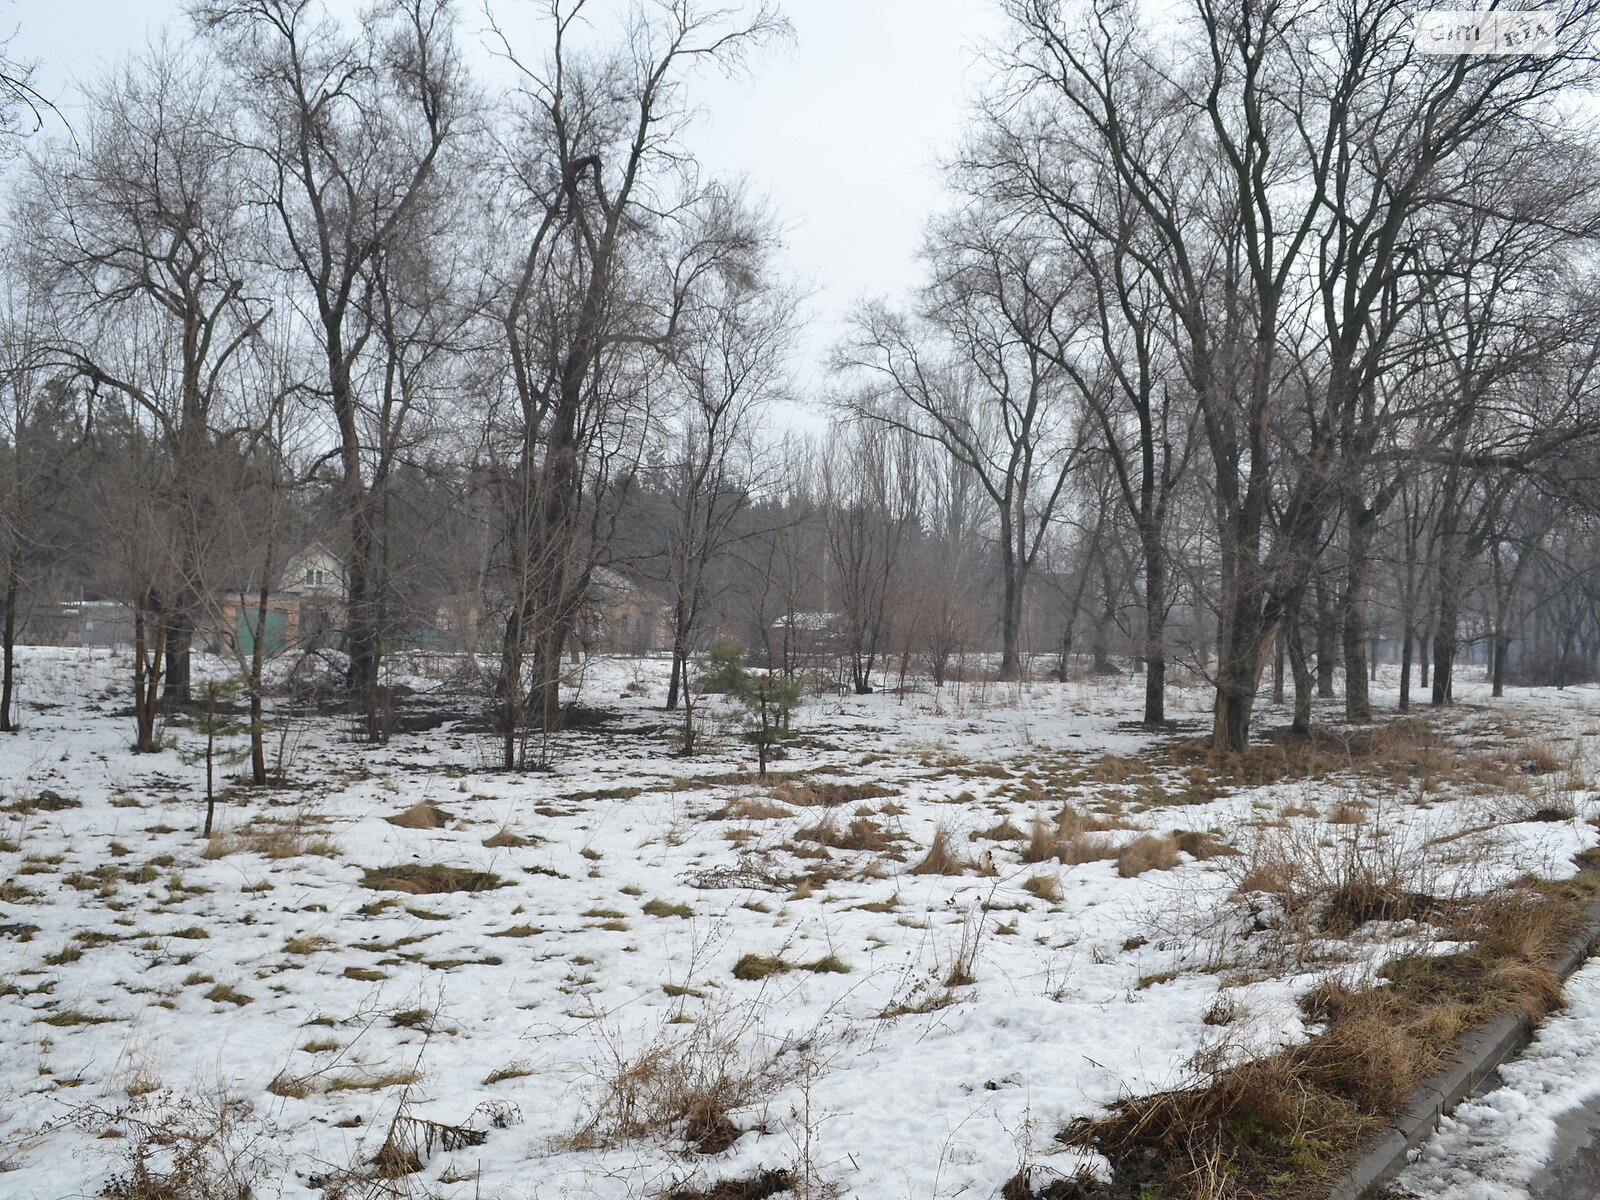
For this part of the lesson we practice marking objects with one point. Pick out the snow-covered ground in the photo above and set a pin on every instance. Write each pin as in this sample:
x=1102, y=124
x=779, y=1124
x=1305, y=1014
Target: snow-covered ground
x=932, y=1031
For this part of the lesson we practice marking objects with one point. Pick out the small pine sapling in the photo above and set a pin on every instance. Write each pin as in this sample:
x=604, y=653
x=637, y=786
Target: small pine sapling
x=213, y=718
x=767, y=698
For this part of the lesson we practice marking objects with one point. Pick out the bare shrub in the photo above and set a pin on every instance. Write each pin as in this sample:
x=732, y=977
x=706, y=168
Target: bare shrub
x=204, y=1147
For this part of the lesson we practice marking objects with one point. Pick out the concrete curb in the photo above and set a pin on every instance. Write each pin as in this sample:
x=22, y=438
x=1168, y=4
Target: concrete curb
x=1385, y=1154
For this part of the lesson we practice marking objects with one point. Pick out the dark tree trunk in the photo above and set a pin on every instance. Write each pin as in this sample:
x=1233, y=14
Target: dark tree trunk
x=1358, y=581
x=1011, y=615
x=8, y=644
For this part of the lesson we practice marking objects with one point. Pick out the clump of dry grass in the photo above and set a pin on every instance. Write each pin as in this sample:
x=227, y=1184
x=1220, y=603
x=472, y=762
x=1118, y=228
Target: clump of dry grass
x=1066, y=839
x=688, y=1081
x=1147, y=852
x=1346, y=813
x=1045, y=887
x=273, y=839
x=1114, y=769
x=942, y=858
x=1202, y=846
x=1331, y=885
x=760, y=966
x=506, y=838
x=307, y=944
x=821, y=792
x=747, y=808
x=1004, y=831
x=760, y=1186
x=425, y=815
x=1545, y=758
x=862, y=833
x=421, y=879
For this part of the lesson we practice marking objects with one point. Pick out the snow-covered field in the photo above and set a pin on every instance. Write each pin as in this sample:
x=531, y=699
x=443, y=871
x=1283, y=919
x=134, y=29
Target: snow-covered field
x=920, y=1035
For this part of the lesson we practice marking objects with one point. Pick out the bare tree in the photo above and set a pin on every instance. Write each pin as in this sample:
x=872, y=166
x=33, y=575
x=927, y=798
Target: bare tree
x=617, y=239
x=347, y=129
x=28, y=385
x=970, y=374
x=870, y=496
x=725, y=371
x=145, y=214
x=1244, y=138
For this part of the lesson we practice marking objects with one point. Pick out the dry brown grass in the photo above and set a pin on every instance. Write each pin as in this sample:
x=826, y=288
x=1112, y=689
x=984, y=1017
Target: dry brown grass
x=506, y=838
x=426, y=815
x=760, y=1186
x=803, y=794
x=1147, y=852
x=1281, y=1125
x=277, y=840
x=687, y=1082
x=1330, y=880
x=419, y=879
x=1416, y=752
x=1065, y=839
x=1114, y=769
x=746, y=808
x=943, y=857
x=1346, y=813
x=1202, y=846
x=861, y=834
x=1045, y=887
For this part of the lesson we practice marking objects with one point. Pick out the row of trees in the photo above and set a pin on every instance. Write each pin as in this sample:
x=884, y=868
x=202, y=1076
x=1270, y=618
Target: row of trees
x=1277, y=246
x=1239, y=325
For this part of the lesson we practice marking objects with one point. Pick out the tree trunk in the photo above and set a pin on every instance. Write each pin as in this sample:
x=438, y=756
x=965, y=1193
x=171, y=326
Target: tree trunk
x=1445, y=635
x=258, y=747
x=179, y=618
x=1358, y=580
x=8, y=642
x=1011, y=614
x=148, y=663
x=1155, y=629
x=1406, y=635
x=1295, y=651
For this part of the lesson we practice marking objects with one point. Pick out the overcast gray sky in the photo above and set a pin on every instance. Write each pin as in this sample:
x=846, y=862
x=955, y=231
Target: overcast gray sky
x=841, y=130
